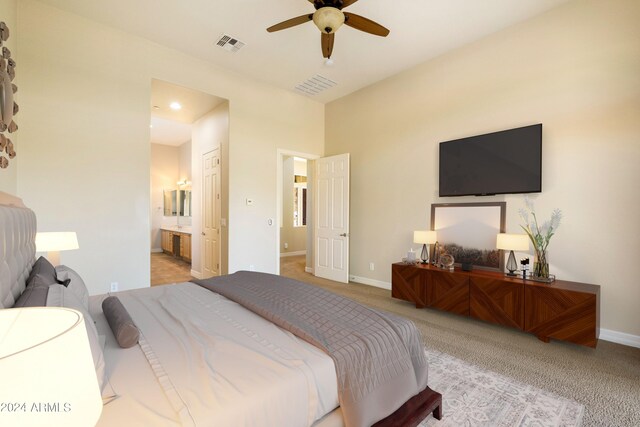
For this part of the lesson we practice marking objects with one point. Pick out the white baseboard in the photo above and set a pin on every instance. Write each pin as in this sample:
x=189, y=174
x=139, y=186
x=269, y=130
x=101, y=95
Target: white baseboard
x=308, y=270
x=156, y=250
x=605, y=334
x=370, y=282
x=620, y=338
x=295, y=253
x=196, y=274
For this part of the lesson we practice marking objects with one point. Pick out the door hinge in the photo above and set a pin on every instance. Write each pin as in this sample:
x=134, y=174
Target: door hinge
x=217, y=161
x=218, y=196
x=218, y=266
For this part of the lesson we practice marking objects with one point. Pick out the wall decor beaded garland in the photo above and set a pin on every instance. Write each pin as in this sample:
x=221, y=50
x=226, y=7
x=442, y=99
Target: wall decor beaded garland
x=8, y=108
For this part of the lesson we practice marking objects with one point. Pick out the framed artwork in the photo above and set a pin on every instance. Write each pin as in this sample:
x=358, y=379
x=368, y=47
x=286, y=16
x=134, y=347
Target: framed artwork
x=468, y=231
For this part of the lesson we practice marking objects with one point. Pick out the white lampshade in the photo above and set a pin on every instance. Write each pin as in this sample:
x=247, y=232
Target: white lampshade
x=424, y=236
x=512, y=242
x=328, y=19
x=56, y=241
x=46, y=362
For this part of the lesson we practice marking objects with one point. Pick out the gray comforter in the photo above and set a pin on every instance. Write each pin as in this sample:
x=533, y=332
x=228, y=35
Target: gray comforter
x=379, y=357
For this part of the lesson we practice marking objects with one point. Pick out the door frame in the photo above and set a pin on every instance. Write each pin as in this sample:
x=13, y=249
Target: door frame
x=281, y=153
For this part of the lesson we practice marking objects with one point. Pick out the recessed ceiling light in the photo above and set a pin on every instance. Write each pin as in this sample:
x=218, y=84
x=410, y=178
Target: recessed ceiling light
x=150, y=126
x=175, y=105
x=155, y=107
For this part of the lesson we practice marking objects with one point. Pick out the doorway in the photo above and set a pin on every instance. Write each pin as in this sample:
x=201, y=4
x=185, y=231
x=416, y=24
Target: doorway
x=185, y=124
x=295, y=207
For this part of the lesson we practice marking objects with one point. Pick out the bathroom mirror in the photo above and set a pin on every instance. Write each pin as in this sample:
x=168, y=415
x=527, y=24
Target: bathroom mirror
x=177, y=202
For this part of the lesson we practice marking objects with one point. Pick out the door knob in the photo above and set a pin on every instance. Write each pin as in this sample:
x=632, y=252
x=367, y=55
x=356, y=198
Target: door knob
x=344, y=235
x=203, y=233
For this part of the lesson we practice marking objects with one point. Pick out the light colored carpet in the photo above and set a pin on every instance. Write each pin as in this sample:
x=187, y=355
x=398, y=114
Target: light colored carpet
x=478, y=397
x=606, y=380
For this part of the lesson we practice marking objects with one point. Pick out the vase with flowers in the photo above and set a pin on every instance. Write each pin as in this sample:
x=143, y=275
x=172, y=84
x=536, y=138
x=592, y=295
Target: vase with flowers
x=540, y=236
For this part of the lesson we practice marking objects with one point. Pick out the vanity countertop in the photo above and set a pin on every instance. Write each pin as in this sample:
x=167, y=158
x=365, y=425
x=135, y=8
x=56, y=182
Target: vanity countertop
x=177, y=229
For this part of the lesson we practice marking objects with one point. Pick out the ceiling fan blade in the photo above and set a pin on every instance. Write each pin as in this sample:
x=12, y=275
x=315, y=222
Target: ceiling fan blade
x=327, y=44
x=290, y=23
x=363, y=24
x=346, y=3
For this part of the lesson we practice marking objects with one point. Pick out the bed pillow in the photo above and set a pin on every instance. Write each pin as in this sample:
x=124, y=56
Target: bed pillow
x=74, y=283
x=60, y=296
x=42, y=274
x=41, y=277
x=125, y=331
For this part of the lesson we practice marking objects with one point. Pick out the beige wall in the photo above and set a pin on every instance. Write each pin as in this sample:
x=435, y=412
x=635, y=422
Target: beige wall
x=9, y=176
x=84, y=142
x=576, y=70
x=295, y=237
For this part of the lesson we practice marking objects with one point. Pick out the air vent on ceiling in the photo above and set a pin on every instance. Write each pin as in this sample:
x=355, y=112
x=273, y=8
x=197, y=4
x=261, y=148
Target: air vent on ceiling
x=229, y=43
x=315, y=85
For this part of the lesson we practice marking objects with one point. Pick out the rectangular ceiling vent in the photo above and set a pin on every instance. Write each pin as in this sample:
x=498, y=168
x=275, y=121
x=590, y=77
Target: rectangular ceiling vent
x=315, y=85
x=230, y=44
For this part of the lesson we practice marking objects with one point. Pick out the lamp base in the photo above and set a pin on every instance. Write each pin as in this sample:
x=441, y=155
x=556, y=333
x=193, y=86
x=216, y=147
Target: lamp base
x=512, y=274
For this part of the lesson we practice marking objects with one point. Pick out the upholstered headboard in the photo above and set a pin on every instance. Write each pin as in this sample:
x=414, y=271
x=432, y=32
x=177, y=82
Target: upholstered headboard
x=17, y=250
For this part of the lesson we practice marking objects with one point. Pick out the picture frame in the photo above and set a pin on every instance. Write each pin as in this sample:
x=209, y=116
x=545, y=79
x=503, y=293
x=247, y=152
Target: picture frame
x=468, y=232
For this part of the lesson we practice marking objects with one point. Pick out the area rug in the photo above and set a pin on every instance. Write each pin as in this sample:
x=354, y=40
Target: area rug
x=472, y=396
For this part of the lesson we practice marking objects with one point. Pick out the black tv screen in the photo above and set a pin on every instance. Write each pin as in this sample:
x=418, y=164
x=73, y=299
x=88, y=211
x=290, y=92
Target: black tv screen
x=503, y=162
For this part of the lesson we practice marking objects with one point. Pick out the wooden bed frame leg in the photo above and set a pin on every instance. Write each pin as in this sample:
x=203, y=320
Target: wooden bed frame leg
x=437, y=413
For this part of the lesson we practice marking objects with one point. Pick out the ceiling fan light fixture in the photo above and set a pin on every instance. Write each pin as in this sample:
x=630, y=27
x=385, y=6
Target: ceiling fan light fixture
x=328, y=19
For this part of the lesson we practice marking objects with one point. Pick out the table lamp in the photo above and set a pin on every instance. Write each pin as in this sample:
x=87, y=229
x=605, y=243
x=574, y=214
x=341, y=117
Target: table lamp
x=47, y=369
x=426, y=237
x=54, y=242
x=512, y=242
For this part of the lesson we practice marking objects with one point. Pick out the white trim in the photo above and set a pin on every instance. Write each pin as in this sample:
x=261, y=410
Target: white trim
x=196, y=274
x=295, y=253
x=156, y=250
x=308, y=270
x=620, y=338
x=370, y=282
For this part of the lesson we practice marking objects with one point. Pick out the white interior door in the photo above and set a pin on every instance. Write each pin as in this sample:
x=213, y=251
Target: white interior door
x=331, y=241
x=210, y=241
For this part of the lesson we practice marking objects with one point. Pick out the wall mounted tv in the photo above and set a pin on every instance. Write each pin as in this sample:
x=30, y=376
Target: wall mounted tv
x=503, y=162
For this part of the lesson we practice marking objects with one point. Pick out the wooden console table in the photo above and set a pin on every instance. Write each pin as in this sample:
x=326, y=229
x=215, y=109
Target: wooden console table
x=567, y=311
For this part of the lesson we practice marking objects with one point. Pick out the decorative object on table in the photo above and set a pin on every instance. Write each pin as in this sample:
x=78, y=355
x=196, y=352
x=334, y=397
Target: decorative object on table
x=468, y=231
x=54, y=242
x=45, y=360
x=524, y=266
x=447, y=261
x=466, y=266
x=8, y=108
x=410, y=258
x=426, y=237
x=540, y=237
x=436, y=253
x=512, y=242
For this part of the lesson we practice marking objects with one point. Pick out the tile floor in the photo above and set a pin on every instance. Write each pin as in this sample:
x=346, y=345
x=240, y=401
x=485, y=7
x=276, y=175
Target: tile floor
x=166, y=269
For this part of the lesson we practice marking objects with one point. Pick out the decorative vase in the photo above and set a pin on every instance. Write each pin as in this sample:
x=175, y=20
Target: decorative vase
x=541, y=265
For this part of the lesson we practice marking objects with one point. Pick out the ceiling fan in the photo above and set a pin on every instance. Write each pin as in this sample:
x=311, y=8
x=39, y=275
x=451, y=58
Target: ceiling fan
x=328, y=17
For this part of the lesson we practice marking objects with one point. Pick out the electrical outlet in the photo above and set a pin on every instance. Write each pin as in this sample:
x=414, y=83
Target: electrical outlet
x=286, y=246
x=252, y=267
x=372, y=266
x=114, y=286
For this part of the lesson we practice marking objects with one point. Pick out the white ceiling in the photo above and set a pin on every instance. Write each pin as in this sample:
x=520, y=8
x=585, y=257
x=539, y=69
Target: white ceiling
x=173, y=127
x=420, y=30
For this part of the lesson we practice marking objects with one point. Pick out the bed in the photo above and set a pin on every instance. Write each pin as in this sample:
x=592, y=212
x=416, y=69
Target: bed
x=202, y=358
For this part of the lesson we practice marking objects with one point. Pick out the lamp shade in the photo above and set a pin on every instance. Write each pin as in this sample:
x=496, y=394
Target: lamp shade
x=512, y=242
x=47, y=368
x=328, y=19
x=56, y=241
x=424, y=236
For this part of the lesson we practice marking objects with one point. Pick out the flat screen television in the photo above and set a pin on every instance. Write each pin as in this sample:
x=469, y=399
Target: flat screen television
x=503, y=162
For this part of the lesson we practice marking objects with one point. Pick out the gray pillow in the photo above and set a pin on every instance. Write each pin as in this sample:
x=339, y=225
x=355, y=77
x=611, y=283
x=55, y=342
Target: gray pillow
x=125, y=331
x=74, y=283
x=42, y=274
x=41, y=277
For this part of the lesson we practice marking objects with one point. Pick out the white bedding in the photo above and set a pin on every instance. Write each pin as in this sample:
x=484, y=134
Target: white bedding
x=224, y=365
